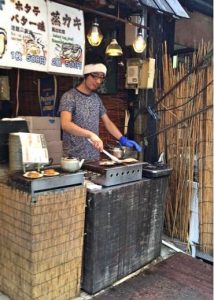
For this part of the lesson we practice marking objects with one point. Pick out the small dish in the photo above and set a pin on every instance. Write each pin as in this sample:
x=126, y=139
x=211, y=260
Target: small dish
x=33, y=175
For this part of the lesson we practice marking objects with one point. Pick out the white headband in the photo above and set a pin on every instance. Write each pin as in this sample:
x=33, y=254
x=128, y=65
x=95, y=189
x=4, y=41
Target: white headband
x=93, y=68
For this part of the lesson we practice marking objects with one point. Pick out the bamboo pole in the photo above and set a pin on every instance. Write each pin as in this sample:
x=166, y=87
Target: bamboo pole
x=185, y=140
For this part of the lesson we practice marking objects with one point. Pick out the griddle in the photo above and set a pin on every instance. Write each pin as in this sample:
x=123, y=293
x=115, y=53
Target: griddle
x=114, y=174
x=46, y=183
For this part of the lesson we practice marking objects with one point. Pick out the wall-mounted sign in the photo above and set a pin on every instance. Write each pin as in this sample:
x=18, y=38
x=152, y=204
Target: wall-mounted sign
x=43, y=36
x=66, y=39
x=27, y=34
x=4, y=34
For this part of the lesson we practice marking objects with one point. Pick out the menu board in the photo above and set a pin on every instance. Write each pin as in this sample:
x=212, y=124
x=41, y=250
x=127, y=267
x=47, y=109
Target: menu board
x=42, y=35
x=66, y=39
x=4, y=34
x=34, y=148
x=26, y=30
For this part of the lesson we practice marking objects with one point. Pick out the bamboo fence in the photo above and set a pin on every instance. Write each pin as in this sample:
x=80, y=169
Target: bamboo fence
x=185, y=135
x=41, y=243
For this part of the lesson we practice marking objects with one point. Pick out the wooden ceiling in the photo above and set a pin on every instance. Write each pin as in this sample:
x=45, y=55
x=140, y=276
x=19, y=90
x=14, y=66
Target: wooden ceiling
x=126, y=7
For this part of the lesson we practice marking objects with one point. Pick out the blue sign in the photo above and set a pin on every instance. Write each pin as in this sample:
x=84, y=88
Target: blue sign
x=47, y=89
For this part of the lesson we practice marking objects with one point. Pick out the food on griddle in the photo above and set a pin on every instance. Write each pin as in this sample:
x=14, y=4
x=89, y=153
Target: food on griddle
x=129, y=160
x=106, y=163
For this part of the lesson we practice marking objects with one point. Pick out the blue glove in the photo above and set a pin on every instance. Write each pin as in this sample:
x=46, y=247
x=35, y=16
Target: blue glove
x=129, y=143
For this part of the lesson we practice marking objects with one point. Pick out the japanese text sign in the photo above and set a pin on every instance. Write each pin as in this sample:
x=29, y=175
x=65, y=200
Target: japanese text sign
x=66, y=39
x=25, y=34
x=41, y=35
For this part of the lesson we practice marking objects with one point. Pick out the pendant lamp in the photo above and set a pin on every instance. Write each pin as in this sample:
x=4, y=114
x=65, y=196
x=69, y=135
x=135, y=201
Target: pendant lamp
x=139, y=43
x=94, y=34
x=114, y=49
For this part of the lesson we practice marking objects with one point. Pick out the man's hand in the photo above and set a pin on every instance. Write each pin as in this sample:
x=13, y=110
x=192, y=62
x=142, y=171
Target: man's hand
x=129, y=143
x=96, y=142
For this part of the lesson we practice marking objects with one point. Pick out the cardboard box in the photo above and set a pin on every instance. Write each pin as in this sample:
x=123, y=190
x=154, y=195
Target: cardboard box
x=56, y=156
x=55, y=151
x=47, y=123
x=49, y=126
x=50, y=135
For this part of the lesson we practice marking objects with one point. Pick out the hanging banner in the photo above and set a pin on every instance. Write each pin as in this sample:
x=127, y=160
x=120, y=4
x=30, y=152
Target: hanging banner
x=26, y=34
x=47, y=90
x=66, y=39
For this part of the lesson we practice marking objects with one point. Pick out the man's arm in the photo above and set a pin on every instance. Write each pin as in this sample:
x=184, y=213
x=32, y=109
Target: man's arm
x=111, y=127
x=113, y=130
x=70, y=127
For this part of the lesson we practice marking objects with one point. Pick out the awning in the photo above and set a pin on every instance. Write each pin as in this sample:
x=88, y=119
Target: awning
x=171, y=7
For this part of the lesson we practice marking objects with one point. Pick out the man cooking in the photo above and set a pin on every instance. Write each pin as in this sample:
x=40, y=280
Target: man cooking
x=80, y=111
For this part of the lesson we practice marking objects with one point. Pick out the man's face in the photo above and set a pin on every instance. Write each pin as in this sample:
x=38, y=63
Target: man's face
x=94, y=80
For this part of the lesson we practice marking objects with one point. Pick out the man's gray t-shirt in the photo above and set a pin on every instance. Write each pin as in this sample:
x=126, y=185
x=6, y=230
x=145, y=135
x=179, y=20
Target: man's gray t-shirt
x=86, y=112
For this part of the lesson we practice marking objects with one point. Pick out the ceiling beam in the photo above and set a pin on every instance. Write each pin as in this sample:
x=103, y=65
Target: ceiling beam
x=96, y=12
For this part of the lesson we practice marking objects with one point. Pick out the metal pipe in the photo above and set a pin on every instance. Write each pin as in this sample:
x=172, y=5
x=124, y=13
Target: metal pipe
x=87, y=9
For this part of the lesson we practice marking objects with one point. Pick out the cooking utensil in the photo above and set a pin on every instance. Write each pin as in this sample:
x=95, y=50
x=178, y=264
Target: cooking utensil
x=121, y=152
x=112, y=157
x=117, y=152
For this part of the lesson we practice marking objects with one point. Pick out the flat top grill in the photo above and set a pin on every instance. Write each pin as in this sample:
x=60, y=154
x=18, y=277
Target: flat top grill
x=43, y=184
x=103, y=169
x=115, y=174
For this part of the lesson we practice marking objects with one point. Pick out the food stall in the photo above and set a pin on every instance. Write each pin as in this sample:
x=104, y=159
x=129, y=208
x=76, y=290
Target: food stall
x=45, y=233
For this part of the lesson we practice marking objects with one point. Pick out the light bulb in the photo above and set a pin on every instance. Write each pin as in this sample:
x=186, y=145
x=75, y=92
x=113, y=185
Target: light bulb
x=139, y=44
x=114, y=49
x=94, y=35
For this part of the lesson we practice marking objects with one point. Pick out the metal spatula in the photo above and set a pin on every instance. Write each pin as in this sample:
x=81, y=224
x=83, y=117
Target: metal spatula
x=112, y=157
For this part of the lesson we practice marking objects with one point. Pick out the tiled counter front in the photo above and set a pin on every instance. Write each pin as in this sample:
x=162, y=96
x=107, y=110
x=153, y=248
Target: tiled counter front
x=41, y=243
